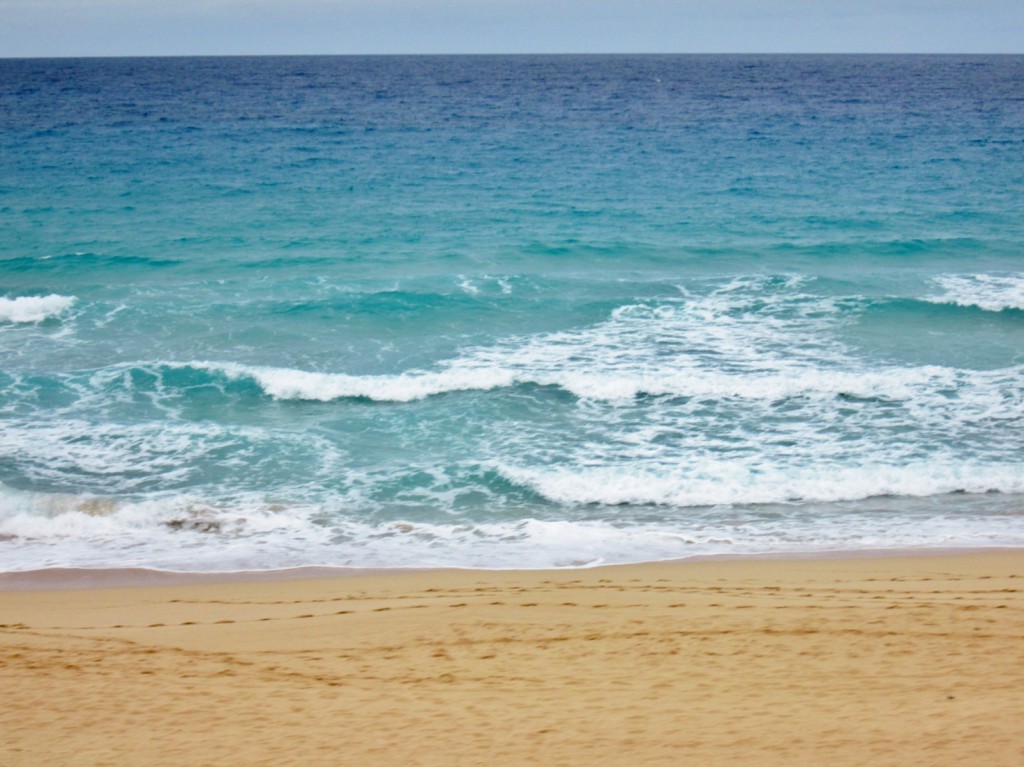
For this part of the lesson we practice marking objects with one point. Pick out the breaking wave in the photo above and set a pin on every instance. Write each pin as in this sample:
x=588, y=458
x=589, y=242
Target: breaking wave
x=32, y=309
x=991, y=292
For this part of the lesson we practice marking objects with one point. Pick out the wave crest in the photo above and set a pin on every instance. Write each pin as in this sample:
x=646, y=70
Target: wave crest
x=32, y=309
x=716, y=484
x=991, y=292
x=463, y=375
x=291, y=384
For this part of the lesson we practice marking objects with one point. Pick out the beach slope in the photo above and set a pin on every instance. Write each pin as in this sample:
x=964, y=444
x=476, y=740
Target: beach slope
x=847, y=661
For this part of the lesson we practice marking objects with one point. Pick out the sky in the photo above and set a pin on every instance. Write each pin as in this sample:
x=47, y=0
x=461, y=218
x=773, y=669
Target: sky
x=231, y=27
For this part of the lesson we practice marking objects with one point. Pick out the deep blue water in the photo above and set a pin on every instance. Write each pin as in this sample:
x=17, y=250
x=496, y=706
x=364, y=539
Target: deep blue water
x=508, y=311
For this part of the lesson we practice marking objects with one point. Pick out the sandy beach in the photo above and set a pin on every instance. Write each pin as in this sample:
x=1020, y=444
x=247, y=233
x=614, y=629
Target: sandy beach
x=845, y=661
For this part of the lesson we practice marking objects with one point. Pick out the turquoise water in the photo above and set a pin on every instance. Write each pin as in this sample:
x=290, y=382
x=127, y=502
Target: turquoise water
x=508, y=311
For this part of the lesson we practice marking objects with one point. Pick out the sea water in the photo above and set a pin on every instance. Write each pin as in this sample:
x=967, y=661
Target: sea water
x=519, y=311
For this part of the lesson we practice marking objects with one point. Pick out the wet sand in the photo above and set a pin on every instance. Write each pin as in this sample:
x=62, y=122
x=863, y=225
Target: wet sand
x=852, y=661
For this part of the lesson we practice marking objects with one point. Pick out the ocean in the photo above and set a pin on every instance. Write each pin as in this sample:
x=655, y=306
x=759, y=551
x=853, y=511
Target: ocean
x=508, y=311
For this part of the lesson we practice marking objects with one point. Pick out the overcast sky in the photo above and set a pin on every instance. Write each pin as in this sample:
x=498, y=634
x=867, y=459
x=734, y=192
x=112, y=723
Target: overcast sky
x=188, y=27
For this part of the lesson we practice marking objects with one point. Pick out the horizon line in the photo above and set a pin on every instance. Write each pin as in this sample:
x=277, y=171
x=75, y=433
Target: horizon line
x=479, y=54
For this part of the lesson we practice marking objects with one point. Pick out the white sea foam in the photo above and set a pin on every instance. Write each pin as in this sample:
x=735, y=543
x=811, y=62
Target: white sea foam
x=465, y=375
x=484, y=284
x=138, y=457
x=32, y=309
x=188, y=533
x=468, y=286
x=991, y=292
x=286, y=383
x=674, y=347
x=694, y=350
x=61, y=529
x=730, y=421
x=735, y=483
x=112, y=455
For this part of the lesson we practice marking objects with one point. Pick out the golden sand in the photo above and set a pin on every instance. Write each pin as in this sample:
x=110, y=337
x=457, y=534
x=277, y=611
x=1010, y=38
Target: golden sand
x=874, y=661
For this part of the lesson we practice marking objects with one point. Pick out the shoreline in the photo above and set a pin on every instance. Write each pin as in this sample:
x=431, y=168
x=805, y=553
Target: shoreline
x=65, y=578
